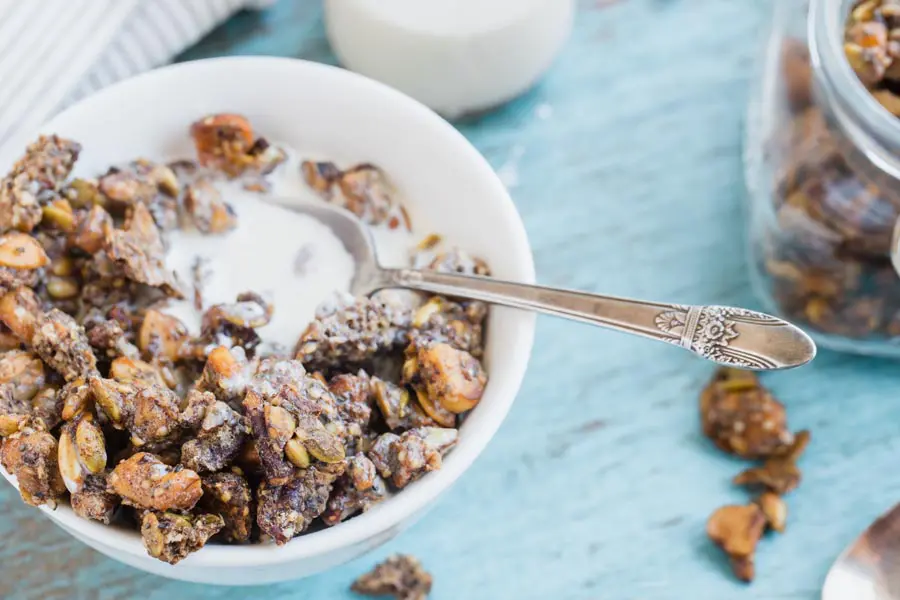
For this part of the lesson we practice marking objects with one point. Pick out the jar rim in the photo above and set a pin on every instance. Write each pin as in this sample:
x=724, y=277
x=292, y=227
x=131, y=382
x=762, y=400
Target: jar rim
x=827, y=19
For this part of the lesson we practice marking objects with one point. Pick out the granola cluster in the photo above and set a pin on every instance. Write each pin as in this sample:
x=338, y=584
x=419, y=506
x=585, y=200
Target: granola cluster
x=742, y=418
x=111, y=404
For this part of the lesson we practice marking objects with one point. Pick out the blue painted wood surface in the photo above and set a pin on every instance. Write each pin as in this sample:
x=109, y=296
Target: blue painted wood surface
x=625, y=164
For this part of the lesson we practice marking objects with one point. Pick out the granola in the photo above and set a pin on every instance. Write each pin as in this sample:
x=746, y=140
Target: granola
x=107, y=400
x=400, y=576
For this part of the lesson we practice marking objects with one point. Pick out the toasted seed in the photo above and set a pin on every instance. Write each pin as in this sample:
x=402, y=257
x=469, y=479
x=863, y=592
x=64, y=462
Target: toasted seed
x=280, y=422
x=69, y=465
x=62, y=288
x=62, y=266
x=296, y=453
x=21, y=251
x=775, y=510
x=91, y=445
x=59, y=214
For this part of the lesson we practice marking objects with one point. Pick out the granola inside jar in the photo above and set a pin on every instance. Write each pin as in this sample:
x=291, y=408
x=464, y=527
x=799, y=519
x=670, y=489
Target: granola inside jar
x=822, y=161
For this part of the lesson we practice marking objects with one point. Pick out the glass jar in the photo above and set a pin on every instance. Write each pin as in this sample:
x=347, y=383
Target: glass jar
x=822, y=160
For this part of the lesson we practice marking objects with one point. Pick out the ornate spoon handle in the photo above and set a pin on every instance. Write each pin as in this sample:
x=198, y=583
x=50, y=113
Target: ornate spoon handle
x=735, y=337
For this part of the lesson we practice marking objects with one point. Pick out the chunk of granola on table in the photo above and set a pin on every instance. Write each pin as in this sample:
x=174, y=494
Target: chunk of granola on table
x=404, y=458
x=352, y=330
x=94, y=501
x=737, y=530
x=30, y=455
x=144, y=481
x=779, y=474
x=741, y=417
x=35, y=179
x=285, y=511
x=170, y=536
x=358, y=489
x=400, y=576
x=228, y=495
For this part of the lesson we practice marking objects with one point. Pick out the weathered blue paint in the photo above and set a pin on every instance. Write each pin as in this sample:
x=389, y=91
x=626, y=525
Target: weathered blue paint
x=625, y=164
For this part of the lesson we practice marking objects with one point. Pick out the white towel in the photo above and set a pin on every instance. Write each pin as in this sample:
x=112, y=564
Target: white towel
x=54, y=52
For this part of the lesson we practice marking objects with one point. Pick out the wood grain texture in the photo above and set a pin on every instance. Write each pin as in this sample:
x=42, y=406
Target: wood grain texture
x=626, y=166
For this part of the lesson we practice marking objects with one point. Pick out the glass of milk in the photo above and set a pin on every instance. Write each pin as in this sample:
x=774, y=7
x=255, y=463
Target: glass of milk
x=455, y=56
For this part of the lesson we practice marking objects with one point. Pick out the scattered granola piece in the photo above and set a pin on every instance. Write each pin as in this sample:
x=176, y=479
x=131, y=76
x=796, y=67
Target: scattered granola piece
x=144, y=481
x=779, y=474
x=352, y=330
x=228, y=495
x=285, y=511
x=30, y=455
x=400, y=576
x=170, y=537
x=737, y=530
x=741, y=417
x=775, y=509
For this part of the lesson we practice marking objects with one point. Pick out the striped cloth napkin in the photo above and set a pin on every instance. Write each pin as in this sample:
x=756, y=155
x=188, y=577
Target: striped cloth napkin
x=54, y=52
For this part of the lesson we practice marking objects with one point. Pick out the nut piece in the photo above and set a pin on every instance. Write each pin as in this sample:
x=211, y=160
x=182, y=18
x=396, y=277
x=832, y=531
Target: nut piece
x=30, y=455
x=775, y=510
x=353, y=331
x=132, y=370
x=400, y=576
x=21, y=251
x=737, y=530
x=407, y=457
x=209, y=212
x=93, y=501
x=20, y=311
x=228, y=495
x=452, y=379
x=741, y=417
x=144, y=481
x=23, y=372
x=217, y=442
x=63, y=345
x=226, y=374
x=170, y=537
x=162, y=336
x=82, y=451
x=779, y=474
x=90, y=231
x=287, y=510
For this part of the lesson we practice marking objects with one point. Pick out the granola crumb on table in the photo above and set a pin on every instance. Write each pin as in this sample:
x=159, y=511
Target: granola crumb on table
x=401, y=576
x=114, y=406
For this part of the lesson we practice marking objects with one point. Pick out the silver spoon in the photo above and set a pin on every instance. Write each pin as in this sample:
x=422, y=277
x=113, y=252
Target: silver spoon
x=869, y=569
x=734, y=337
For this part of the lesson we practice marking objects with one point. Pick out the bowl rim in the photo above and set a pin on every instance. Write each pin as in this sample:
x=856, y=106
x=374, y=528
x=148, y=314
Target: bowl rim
x=416, y=497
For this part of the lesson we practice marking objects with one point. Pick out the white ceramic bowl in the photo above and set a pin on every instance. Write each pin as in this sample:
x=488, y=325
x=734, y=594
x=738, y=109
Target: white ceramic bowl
x=347, y=116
